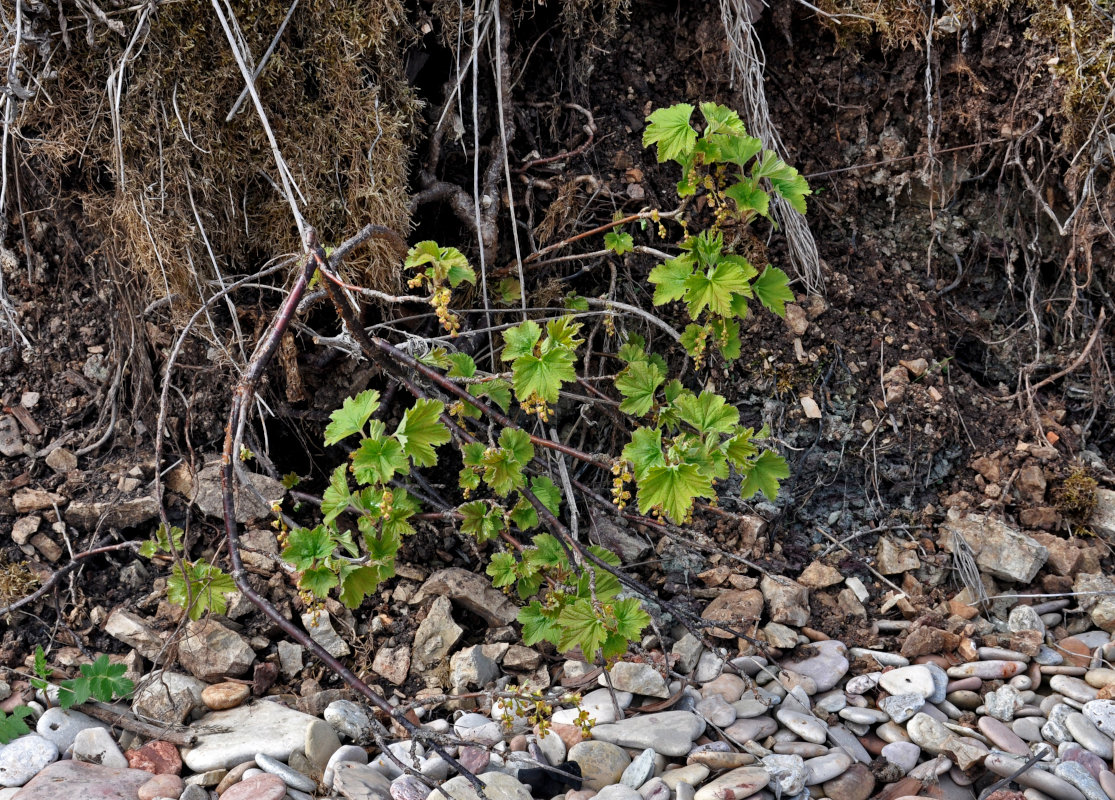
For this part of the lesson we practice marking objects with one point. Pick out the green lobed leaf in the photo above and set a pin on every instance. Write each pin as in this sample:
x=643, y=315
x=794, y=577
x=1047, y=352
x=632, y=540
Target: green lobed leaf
x=618, y=242
x=482, y=520
x=672, y=490
x=357, y=582
x=318, y=581
x=670, y=130
x=644, y=451
x=503, y=472
x=106, y=680
x=772, y=289
x=764, y=474
x=669, y=279
x=546, y=551
x=12, y=726
x=575, y=302
x=562, y=332
x=497, y=390
x=581, y=627
x=539, y=625
x=502, y=569
x=715, y=288
x=207, y=586
x=463, y=365
x=352, y=416
x=638, y=383
x=709, y=412
x=336, y=497
x=739, y=449
x=543, y=375
x=523, y=515
x=547, y=492
x=517, y=441
x=630, y=618
x=307, y=546
x=421, y=430
x=520, y=341
x=725, y=332
x=749, y=196
x=722, y=119
x=378, y=459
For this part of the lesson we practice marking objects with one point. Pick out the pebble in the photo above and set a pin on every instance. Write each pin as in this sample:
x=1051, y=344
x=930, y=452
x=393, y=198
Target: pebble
x=291, y=777
x=1073, y=688
x=824, y=768
x=234, y=736
x=1003, y=737
x=693, y=774
x=1088, y=735
x=738, y=783
x=1102, y=715
x=602, y=763
x=988, y=670
x=24, y=758
x=788, y=772
x=161, y=786
x=807, y=727
x=62, y=725
x=856, y=784
x=670, y=733
x=1080, y=778
x=348, y=752
x=916, y=679
x=258, y=787
x=222, y=696
x=716, y=711
x=903, y=754
x=96, y=746
x=349, y=720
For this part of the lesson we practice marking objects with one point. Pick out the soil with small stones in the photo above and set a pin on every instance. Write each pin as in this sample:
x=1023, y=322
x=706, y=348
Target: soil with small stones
x=916, y=271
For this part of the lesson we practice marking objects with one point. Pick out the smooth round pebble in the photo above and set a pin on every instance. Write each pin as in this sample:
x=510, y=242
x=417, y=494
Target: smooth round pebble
x=161, y=786
x=291, y=777
x=257, y=787
x=24, y=758
x=221, y=696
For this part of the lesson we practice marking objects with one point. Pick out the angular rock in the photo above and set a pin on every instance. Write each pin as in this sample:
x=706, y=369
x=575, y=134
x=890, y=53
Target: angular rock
x=320, y=628
x=84, y=781
x=392, y=663
x=1101, y=607
x=474, y=592
x=167, y=696
x=350, y=720
x=737, y=609
x=228, y=738
x=1001, y=551
x=1102, y=520
x=134, y=631
x=637, y=679
x=819, y=575
x=787, y=601
x=290, y=658
x=827, y=666
x=436, y=635
x=157, y=757
x=86, y=515
x=471, y=668
x=204, y=490
x=210, y=651
x=891, y=559
x=934, y=737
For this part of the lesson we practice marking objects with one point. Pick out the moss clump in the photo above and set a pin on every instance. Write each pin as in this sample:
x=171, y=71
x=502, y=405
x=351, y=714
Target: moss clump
x=184, y=196
x=1076, y=496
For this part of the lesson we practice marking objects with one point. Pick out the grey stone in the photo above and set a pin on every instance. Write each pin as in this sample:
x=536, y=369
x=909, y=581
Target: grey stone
x=1002, y=703
x=320, y=628
x=95, y=745
x=787, y=771
x=693, y=774
x=1001, y=551
x=228, y=738
x=479, y=729
x=686, y=651
x=670, y=733
x=640, y=770
x=134, y=631
x=320, y=744
x=826, y=767
x=738, y=783
x=787, y=601
x=291, y=777
x=602, y=763
x=497, y=786
x=916, y=679
x=471, y=668
x=935, y=738
x=1046, y=782
x=717, y=711
x=1087, y=735
x=167, y=696
x=350, y=720
x=1024, y=618
x=23, y=758
x=210, y=651
x=1079, y=777
x=408, y=787
x=473, y=591
x=406, y=751
x=290, y=658
x=638, y=679
x=204, y=491
x=1102, y=715
x=62, y=725
x=436, y=635
x=826, y=667
x=901, y=707
x=360, y=782
x=808, y=727
x=751, y=729
x=904, y=755
x=348, y=752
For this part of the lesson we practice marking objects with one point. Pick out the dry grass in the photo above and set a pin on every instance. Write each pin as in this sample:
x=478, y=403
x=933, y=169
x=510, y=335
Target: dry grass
x=184, y=197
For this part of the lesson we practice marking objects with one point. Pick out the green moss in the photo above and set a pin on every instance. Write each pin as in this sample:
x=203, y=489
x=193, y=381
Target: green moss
x=1075, y=497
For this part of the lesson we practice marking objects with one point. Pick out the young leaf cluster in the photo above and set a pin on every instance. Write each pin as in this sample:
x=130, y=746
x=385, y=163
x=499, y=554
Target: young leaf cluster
x=692, y=442
x=445, y=269
x=541, y=364
x=713, y=282
x=196, y=586
x=576, y=609
x=329, y=558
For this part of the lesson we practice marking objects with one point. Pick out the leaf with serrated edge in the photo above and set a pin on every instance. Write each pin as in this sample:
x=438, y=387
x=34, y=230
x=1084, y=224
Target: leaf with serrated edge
x=672, y=489
x=543, y=375
x=772, y=289
x=378, y=460
x=644, y=450
x=463, y=365
x=669, y=279
x=352, y=416
x=638, y=383
x=708, y=412
x=669, y=128
x=421, y=430
x=520, y=341
x=581, y=627
x=764, y=474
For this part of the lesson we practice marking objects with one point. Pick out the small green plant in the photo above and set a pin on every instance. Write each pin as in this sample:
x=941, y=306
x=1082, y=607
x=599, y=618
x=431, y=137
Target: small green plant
x=196, y=586
x=12, y=725
x=734, y=171
x=678, y=444
x=102, y=680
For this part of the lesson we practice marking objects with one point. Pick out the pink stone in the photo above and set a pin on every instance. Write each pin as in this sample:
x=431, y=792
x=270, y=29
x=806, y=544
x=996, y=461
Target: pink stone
x=161, y=786
x=66, y=780
x=158, y=757
x=257, y=787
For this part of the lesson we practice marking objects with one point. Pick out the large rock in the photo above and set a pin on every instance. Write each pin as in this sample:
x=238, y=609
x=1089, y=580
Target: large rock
x=87, y=515
x=471, y=668
x=167, y=696
x=602, y=763
x=739, y=610
x=21, y=760
x=787, y=600
x=436, y=635
x=62, y=725
x=320, y=627
x=472, y=591
x=204, y=490
x=496, y=785
x=892, y=559
x=76, y=779
x=1101, y=607
x=735, y=785
x=228, y=738
x=637, y=679
x=670, y=733
x=210, y=651
x=134, y=631
x=1000, y=550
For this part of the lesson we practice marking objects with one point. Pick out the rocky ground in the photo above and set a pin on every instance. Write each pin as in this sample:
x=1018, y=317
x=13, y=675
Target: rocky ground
x=942, y=703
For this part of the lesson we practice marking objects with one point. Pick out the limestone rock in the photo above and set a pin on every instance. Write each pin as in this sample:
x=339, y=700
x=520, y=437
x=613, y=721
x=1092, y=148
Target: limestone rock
x=474, y=592
x=320, y=628
x=134, y=631
x=737, y=609
x=436, y=635
x=1000, y=550
x=787, y=601
x=210, y=651
x=228, y=738
x=892, y=559
x=203, y=489
x=167, y=696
